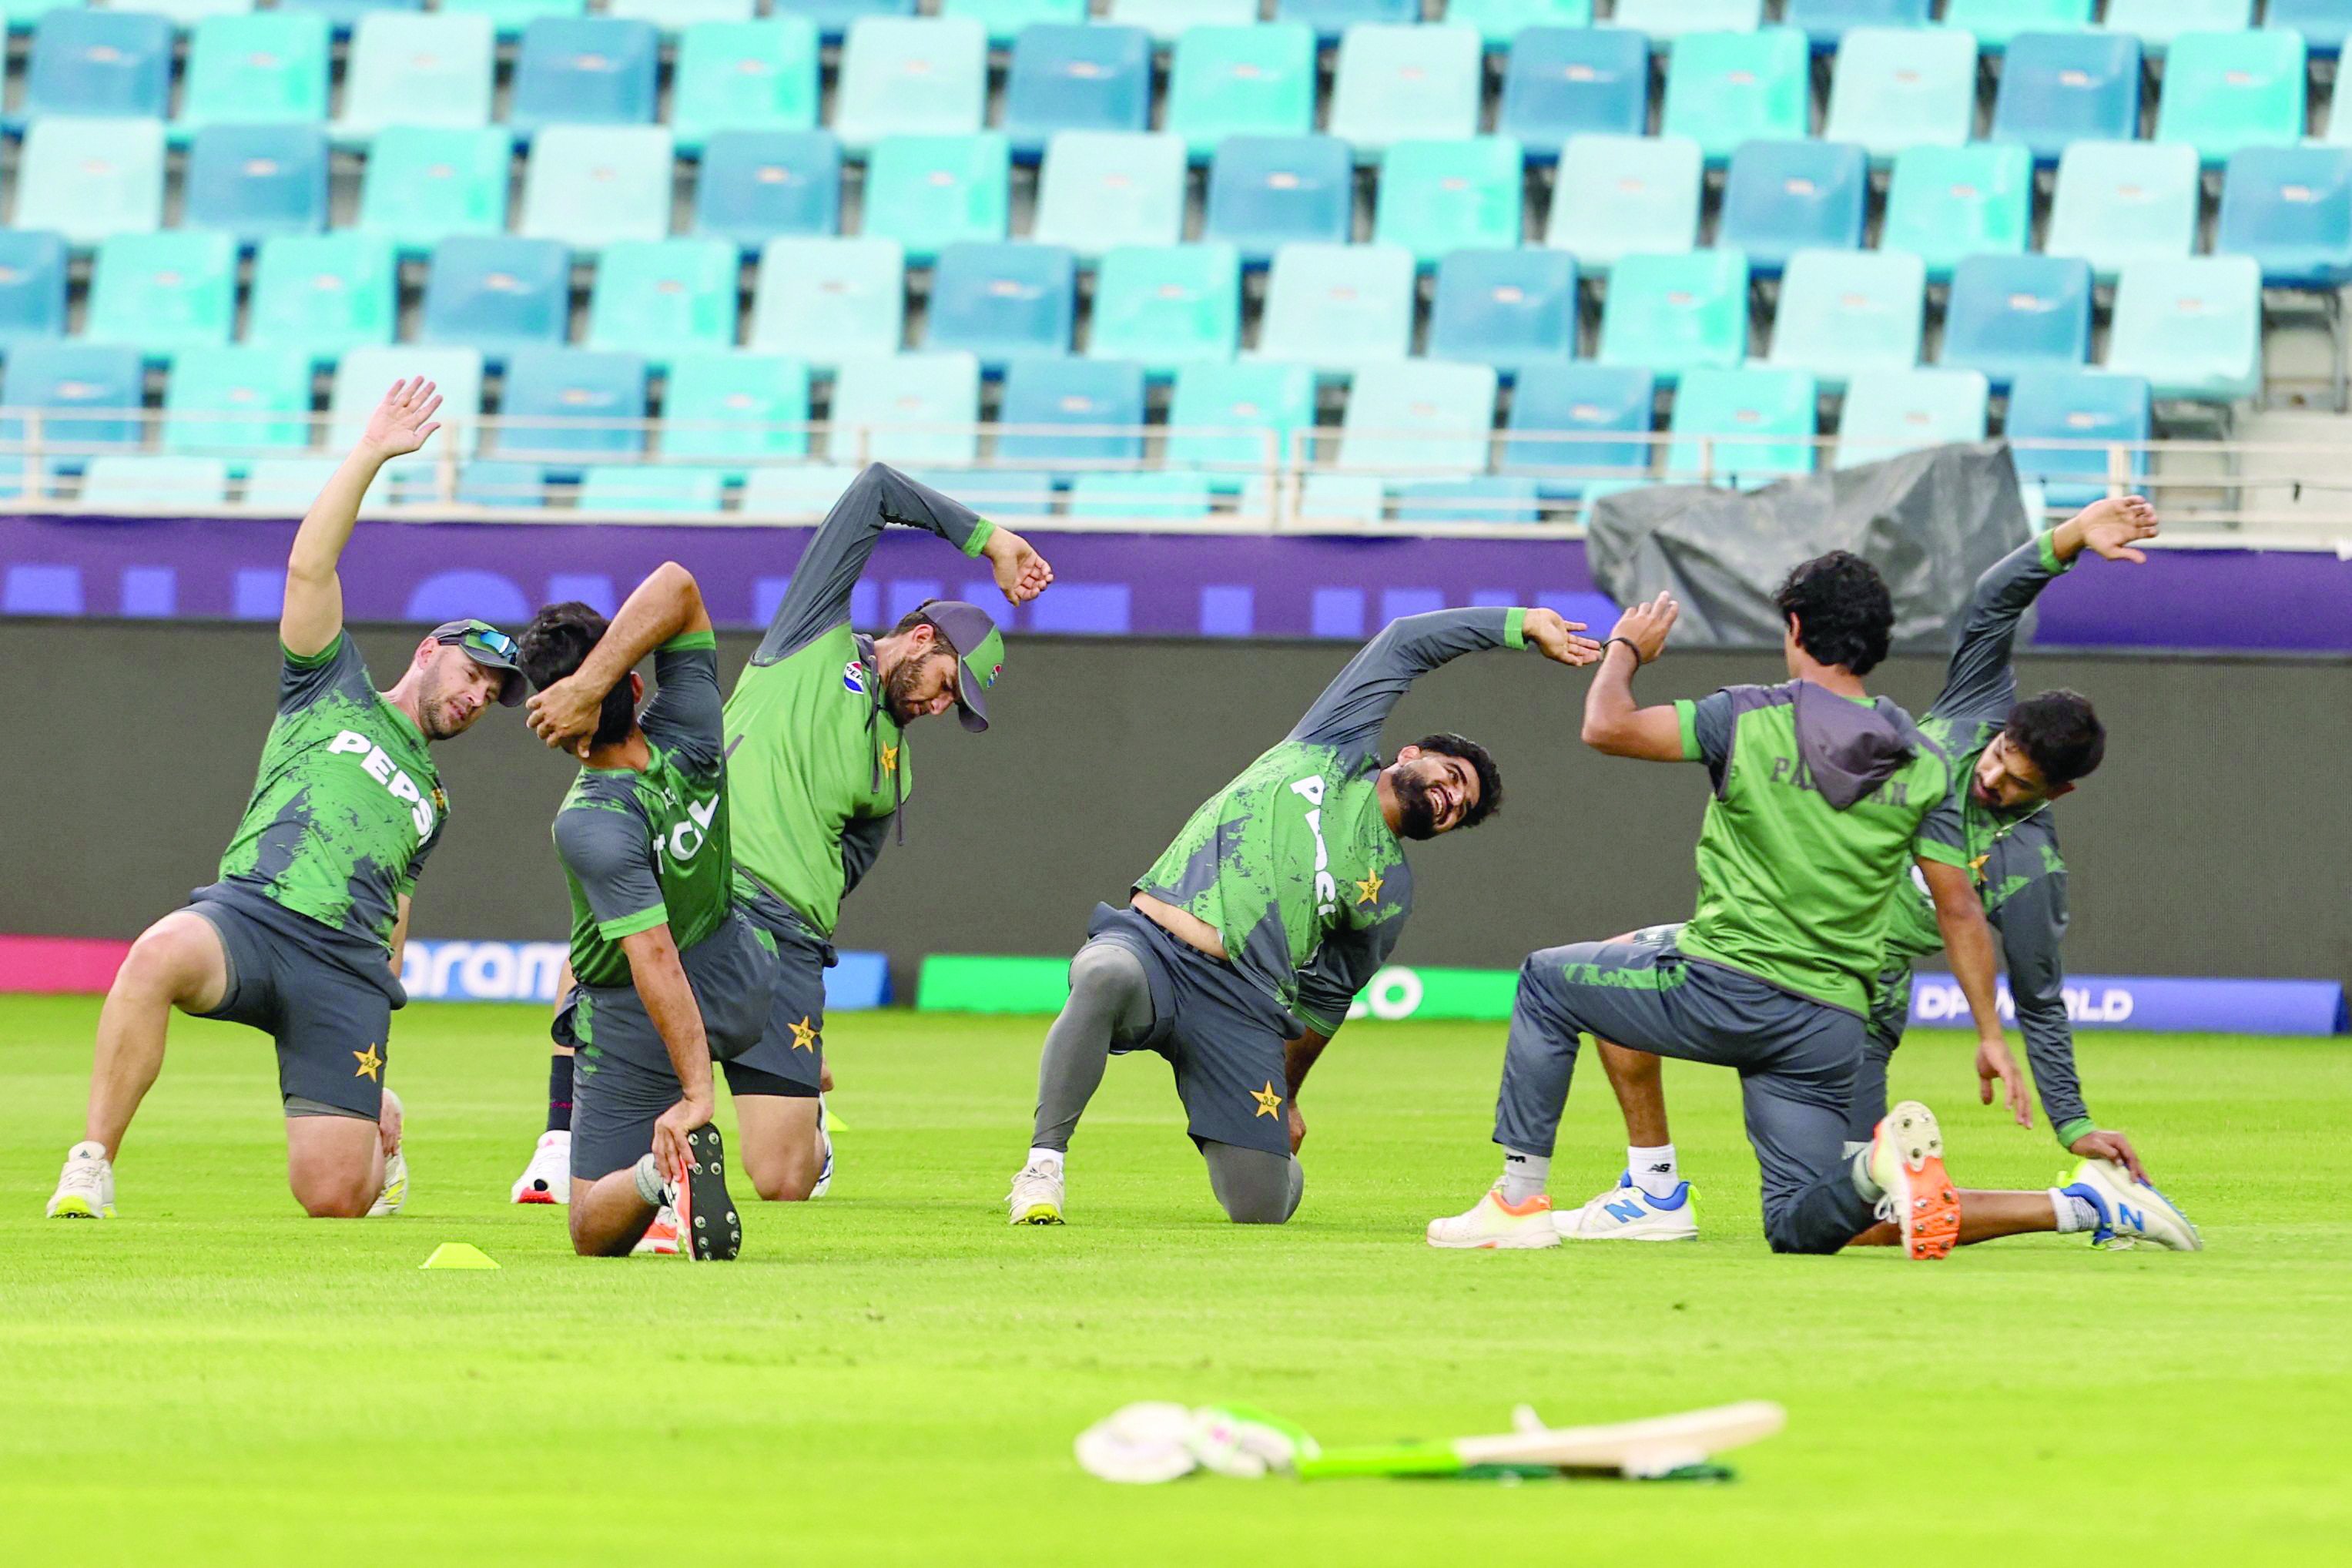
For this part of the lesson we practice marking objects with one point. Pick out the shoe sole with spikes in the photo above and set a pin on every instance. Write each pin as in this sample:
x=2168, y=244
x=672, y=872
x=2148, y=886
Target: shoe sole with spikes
x=709, y=1230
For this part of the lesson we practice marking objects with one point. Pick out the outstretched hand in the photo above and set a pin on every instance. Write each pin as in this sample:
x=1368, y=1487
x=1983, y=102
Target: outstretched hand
x=403, y=420
x=1021, y=573
x=1556, y=638
x=1646, y=625
x=2112, y=526
x=1995, y=1064
x=2112, y=1146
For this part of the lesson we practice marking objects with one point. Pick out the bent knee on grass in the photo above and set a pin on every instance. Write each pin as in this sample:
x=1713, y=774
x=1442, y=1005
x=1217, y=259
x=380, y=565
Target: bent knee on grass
x=778, y=1142
x=334, y=1164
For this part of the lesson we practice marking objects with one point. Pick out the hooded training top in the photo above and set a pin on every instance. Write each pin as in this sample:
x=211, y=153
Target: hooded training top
x=818, y=766
x=1821, y=802
x=1292, y=862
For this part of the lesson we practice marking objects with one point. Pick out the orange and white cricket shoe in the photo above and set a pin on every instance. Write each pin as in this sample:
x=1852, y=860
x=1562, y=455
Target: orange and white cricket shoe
x=660, y=1240
x=1492, y=1225
x=548, y=1178
x=1907, y=1162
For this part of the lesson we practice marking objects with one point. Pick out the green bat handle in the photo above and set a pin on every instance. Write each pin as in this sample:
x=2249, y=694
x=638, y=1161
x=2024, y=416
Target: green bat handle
x=1391, y=1459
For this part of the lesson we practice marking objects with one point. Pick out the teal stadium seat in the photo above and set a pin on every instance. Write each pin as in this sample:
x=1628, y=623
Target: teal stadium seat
x=1418, y=417
x=1895, y=88
x=1265, y=192
x=146, y=482
x=415, y=70
x=597, y=70
x=1167, y=306
x=1669, y=314
x=1049, y=406
x=1744, y=427
x=1501, y=21
x=110, y=64
x=907, y=409
x=497, y=293
x=180, y=13
x=2118, y=202
x=1229, y=418
x=1946, y=203
x=1437, y=197
x=1331, y=18
x=2192, y=327
x=753, y=185
x=927, y=192
x=424, y=183
x=2070, y=406
x=512, y=16
x=254, y=181
x=361, y=376
x=1780, y=198
x=1003, y=301
x=88, y=396
x=1005, y=18
x=285, y=487
x=269, y=67
x=1826, y=22
x=2161, y=23
x=835, y=18
x=87, y=179
x=1560, y=415
x=1724, y=88
x=591, y=186
x=1847, y=311
x=1338, y=307
x=734, y=410
x=1565, y=81
x=1507, y=308
x=673, y=16
x=827, y=300
x=570, y=407
x=1891, y=412
x=324, y=293
x=236, y=399
x=1244, y=80
x=650, y=486
x=911, y=77
x=744, y=76
x=1994, y=23
x=1081, y=78
x=2227, y=90
x=664, y=296
x=799, y=493
x=32, y=287
x=1168, y=20
x=1668, y=22
x=163, y=293
x=2010, y=316
x=1159, y=496
x=1619, y=196
x=1406, y=84
x=1101, y=189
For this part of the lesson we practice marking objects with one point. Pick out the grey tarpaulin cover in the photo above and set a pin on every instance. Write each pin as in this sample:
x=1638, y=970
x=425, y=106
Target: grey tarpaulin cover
x=1931, y=521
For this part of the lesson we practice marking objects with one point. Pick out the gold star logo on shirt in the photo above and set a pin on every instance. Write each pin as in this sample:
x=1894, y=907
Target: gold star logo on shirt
x=1268, y=1102
x=370, y=1064
x=1368, y=892
x=889, y=759
x=803, y=1036
x=1977, y=866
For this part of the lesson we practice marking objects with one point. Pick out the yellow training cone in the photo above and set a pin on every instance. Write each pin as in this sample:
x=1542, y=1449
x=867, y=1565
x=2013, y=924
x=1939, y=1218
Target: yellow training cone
x=457, y=1255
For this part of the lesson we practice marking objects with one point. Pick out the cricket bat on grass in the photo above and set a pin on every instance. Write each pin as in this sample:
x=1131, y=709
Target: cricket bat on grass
x=1662, y=1447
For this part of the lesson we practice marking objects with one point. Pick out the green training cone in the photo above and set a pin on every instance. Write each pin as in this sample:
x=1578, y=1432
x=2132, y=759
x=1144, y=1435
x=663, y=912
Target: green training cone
x=457, y=1255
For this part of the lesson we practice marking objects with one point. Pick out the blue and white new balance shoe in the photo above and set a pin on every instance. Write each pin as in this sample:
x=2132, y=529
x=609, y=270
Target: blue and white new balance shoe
x=1626, y=1213
x=2130, y=1212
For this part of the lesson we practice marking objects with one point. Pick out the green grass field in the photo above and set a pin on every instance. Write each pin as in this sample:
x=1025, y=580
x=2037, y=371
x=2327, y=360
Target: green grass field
x=892, y=1375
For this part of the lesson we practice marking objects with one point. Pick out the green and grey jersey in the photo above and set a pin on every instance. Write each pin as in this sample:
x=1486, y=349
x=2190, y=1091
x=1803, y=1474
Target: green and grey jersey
x=345, y=807
x=2012, y=856
x=1821, y=802
x=819, y=767
x=1292, y=862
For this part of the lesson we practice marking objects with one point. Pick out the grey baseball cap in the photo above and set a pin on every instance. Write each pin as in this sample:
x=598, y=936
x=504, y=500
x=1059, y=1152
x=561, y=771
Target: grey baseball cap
x=981, y=651
x=492, y=650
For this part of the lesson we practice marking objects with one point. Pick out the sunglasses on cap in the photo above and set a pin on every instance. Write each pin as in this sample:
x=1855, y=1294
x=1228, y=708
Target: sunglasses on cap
x=480, y=637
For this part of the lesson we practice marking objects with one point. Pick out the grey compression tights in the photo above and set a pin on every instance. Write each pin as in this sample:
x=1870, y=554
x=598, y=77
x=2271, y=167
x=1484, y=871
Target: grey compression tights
x=1253, y=1186
x=1111, y=1003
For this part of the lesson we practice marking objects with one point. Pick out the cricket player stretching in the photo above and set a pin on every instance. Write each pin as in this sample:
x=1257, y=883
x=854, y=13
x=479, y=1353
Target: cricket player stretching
x=670, y=974
x=1242, y=947
x=302, y=935
x=818, y=767
x=1822, y=797
x=2016, y=758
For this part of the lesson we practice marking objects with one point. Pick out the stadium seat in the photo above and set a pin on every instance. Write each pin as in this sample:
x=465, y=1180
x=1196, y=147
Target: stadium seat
x=743, y=75
x=2324, y=24
x=2289, y=208
x=90, y=178
x=911, y=77
x=1338, y=307
x=1437, y=197
x=836, y=17
x=1674, y=313
x=324, y=293
x=2125, y=201
x=589, y=70
x=1266, y=192
x=344, y=15
x=235, y=399
x=362, y=374
x=907, y=409
x=589, y=185
x=2058, y=88
x=1781, y=197
x=753, y=185
x=285, y=487
x=1487, y=498
x=1501, y=22
x=253, y=181
x=1160, y=495
x=1946, y=203
x=1996, y=24
x=1891, y=412
x=1743, y=427
x=1724, y=88
x=110, y=64
x=2227, y=90
x=662, y=297
x=1100, y=189
x=1406, y=84
x=1243, y=81
x=1166, y=306
x=2160, y=24
x=733, y=410
x=163, y=293
x=547, y=390
x=418, y=70
x=1098, y=393
x=1328, y=498
x=1089, y=77
x=87, y=395
x=993, y=491
x=1670, y=21
x=1333, y=18
x=1826, y=22
x=1418, y=417
x=2067, y=405
x=673, y=16
x=825, y=300
x=2009, y=315
x=928, y=192
x=1168, y=20
x=497, y=293
x=1507, y=308
x=32, y=287
x=1569, y=81
x=267, y=68
x=2193, y=327
x=512, y=16
x=424, y=183
x=488, y=483
x=1902, y=87
x=1846, y=310
x=145, y=481
x=179, y=12
x=1619, y=196
x=1216, y=412
x=650, y=486
x=801, y=492
x=1005, y=18
x=1003, y=302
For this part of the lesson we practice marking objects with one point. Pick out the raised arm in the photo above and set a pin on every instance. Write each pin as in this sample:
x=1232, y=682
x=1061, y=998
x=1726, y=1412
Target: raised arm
x=1356, y=705
x=667, y=604
x=313, y=614
x=1613, y=725
x=1981, y=682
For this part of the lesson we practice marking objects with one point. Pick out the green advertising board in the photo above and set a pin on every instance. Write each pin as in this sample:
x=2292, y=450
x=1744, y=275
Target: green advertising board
x=977, y=983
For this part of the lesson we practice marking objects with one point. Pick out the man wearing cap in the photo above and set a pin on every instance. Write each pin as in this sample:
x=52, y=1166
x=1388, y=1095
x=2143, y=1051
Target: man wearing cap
x=817, y=770
x=302, y=935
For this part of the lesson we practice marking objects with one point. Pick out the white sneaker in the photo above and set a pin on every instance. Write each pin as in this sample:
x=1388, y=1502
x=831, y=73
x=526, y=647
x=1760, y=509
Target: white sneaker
x=825, y=1172
x=1907, y=1162
x=86, y=1186
x=1492, y=1224
x=548, y=1178
x=660, y=1240
x=1626, y=1213
x=395, y=1186
x=1036, y=1196
x=2129, y=1211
